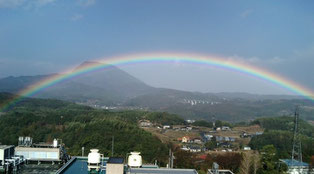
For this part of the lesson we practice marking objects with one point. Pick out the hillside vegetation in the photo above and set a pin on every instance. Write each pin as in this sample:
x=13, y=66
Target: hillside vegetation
x=279, y=132
x=81, y=126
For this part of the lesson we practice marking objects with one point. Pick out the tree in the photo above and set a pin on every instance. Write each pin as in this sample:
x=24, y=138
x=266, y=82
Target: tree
x=212, y=144
x=269, y=161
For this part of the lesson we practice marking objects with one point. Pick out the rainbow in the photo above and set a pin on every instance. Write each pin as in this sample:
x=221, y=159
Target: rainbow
x=188, y=58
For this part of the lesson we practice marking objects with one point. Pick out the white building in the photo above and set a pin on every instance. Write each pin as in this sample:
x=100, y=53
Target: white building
x=6, y=152
x=296, y=167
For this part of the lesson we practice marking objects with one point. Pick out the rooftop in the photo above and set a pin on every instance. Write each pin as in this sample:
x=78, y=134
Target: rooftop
x=161, y=171
x=290, y=163
x=5, y=146
x=78, y=165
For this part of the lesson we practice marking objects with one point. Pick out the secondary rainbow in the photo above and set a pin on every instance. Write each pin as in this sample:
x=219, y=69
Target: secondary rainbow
x=188, y=58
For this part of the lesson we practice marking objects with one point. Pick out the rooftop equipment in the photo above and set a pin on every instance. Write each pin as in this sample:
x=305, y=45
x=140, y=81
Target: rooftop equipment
x=135, y=160
x=55, y=143
x=94, y=160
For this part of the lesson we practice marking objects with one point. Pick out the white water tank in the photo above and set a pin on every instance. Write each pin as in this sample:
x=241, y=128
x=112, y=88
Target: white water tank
x=135, y=160
x=55, y=143
x=94, y=156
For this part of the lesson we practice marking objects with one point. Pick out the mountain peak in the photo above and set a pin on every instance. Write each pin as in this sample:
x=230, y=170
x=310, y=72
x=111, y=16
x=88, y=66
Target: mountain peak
x=89, y=63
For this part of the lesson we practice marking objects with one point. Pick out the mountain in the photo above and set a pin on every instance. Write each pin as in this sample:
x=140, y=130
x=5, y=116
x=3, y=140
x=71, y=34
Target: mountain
x=107, y=86
x=114, y=87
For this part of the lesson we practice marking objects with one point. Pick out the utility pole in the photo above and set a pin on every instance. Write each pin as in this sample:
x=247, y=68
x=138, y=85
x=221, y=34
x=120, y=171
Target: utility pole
x=171, y=158
x=112, y=147
x=82, y=151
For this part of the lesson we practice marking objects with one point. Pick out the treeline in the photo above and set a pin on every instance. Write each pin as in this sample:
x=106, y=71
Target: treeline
x=80, y=126
x=279, y=133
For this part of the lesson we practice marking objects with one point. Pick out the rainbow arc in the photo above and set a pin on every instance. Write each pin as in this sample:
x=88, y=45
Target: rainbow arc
x=167, y=58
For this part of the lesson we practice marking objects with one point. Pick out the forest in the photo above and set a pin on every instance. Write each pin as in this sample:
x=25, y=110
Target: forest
x=81, y=126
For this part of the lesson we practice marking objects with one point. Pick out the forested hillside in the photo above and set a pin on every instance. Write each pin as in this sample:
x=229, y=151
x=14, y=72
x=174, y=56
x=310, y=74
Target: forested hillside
x=81, y=126
x=279, y=132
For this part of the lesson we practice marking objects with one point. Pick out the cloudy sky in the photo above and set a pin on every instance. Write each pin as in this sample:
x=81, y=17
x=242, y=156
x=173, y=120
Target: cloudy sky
x=47, y=36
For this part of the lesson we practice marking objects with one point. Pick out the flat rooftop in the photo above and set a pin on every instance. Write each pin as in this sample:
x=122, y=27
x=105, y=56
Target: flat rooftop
x=291, y=163
x=79, y=166
x=161, y=171
x=5, y=146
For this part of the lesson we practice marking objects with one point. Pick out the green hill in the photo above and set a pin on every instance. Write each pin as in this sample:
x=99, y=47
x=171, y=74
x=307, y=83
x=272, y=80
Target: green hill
x=81, y=126
x=279, y=132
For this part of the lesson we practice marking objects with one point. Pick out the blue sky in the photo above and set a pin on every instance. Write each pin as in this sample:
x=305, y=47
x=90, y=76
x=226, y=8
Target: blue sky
x=45, y=36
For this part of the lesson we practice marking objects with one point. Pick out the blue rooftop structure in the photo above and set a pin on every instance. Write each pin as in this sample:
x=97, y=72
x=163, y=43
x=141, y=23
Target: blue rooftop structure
x=291, y=163
x=78, y=165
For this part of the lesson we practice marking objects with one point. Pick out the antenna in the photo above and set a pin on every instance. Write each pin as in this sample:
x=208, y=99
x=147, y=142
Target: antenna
x=296, y=148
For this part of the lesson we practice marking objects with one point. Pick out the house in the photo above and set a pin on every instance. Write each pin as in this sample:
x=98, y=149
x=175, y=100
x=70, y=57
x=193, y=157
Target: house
x=192, y=148
x=245, y=135
x=166, y=127
x=296, y=167
x=232, y=139
x=190, y=121
x=186, y=139
x=145, y=123
x=258, y=133
x=207, y=137
x=246, y=148
x=189, y=128
x=197, y=140
x=225, y=128
x=219, y=138
x=225, y=145
x=195, y=149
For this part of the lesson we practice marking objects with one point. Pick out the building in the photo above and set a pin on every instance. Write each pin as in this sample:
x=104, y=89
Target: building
x=225, y=128
x=6, y=152
x=78, y=165
x=296, y=167
x=166, y=127
x=54, y=152
x=115, y=165
x=216, y=170
x=197, y=141
x=190, y=121
x=145, y=123
x=246, y=148
x=39, y=153
x=192, y=148
x=186, y=139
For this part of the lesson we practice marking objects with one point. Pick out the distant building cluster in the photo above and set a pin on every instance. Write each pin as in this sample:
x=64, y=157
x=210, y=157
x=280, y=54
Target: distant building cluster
x=193, y=102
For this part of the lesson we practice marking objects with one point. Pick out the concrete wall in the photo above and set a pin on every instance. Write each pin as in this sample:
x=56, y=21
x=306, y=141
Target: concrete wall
x=114, y=168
